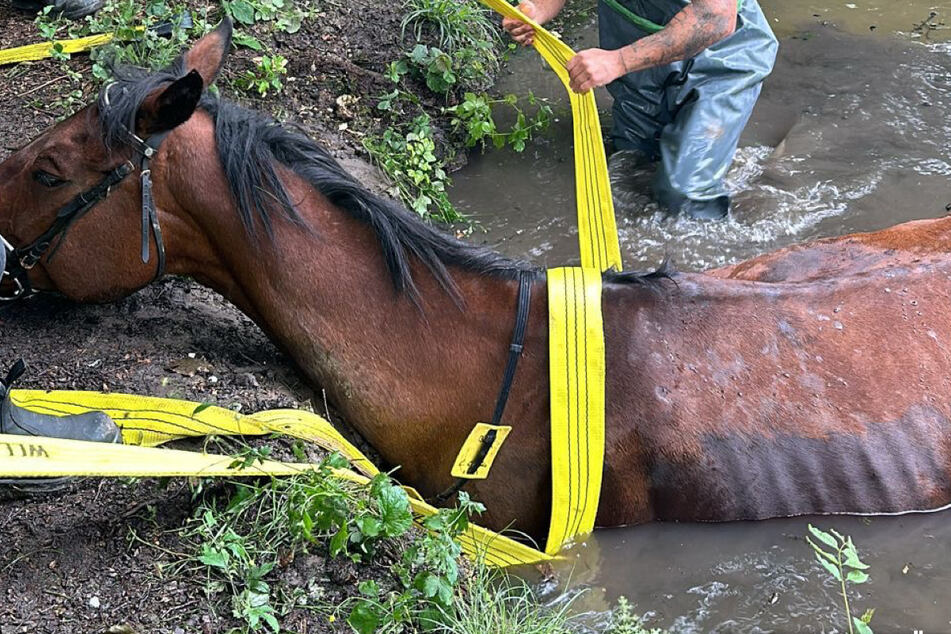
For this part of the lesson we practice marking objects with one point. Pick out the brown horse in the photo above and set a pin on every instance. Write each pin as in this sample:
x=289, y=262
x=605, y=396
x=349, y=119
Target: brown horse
x=812, y=380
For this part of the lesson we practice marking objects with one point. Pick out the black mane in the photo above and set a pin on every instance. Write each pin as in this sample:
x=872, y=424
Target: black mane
x=250, y=145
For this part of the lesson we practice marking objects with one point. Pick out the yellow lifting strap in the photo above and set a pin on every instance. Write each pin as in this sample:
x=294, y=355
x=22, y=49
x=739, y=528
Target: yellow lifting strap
x=147, y=422
x=597, y=228
x=576, y=350
x=35, y=52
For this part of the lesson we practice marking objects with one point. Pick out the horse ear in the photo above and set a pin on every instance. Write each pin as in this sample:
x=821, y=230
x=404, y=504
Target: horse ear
x=208, y=54
x=171, y=106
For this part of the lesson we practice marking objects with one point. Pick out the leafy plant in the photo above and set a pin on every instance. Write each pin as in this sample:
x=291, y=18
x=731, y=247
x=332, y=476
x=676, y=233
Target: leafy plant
x=625, y=621
x=285, y=14
x=454, y=24
x=495, y=603
x=842, y=562
x=265, y=76
x=407, y=155
x=463, y=30
x=137, y=37
x=429, y=575
x=475, y=118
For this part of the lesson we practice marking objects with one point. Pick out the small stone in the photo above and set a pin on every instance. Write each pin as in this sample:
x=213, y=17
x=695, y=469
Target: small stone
x=94, y=602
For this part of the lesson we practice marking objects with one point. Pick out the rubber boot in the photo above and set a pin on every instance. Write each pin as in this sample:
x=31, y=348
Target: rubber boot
x=90, y=427
x=715, y=209
x=72, y=9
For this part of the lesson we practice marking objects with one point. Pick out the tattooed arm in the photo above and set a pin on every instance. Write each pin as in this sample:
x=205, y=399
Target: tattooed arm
x=698, y=26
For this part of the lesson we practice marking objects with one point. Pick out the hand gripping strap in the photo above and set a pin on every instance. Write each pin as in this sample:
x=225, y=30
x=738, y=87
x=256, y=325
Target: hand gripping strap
x=597, y=228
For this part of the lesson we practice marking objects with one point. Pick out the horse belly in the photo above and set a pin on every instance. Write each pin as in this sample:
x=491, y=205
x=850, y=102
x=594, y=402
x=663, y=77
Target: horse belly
x=894, y=466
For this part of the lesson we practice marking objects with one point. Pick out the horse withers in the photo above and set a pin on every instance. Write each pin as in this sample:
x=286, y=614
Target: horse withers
x=812, y=380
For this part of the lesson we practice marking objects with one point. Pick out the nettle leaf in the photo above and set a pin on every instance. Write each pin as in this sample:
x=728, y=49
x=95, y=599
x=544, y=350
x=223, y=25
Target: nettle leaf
x=428, y=584
x=857, y=576
x=364, y=618
x=246, y=40
x=213, y=557
x=395, y=513
x=852, y=557
x=823, y=537
x=369, y=588
x=338, y=543
x=242, y=11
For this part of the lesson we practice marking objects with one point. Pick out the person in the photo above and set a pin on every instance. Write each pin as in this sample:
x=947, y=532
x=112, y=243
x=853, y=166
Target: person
x=682, y=95
x=72, y=9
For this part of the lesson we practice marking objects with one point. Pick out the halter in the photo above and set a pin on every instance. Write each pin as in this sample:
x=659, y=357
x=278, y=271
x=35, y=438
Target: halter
x=20, y=260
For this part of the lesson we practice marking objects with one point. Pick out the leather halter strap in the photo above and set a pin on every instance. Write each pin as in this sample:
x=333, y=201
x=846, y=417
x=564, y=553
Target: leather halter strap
x=515, y=352
x=21, y=260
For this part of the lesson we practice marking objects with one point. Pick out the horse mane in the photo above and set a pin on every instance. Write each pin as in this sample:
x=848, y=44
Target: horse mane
x=251, y=145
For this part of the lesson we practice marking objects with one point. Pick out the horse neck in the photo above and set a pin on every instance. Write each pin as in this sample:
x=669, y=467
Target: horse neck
x=410, y=378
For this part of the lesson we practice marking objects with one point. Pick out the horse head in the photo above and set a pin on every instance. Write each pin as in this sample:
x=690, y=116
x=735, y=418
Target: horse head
x=75, y=201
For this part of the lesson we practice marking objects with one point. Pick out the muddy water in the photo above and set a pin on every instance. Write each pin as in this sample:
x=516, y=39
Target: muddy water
x=852, y=133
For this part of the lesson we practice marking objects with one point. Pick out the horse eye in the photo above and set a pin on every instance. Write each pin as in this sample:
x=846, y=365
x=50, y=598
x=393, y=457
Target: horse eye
x=47, y=180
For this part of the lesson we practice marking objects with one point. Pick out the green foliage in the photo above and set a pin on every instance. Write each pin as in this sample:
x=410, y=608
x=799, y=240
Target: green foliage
x=625, y=621
x=265, y=76
x=238, y=542
x=429, y=578
x=452, y=23
x=474, y=118
x=134, y=24
x=462, y=32
x=838, y=556
x=496, y=603
x=407, y=155
x=285, y=14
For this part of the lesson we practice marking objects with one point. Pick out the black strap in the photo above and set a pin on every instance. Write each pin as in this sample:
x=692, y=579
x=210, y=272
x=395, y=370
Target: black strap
x=148, y=149
x=25, y=258
x=515, y=351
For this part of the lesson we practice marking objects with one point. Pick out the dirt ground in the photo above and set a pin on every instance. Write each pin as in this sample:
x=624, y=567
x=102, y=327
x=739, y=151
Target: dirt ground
x=90, y=561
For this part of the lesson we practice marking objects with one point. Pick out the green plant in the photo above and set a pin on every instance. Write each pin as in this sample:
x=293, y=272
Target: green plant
x=429, y=576
x=475, y=118
x=265, y=76
x=407, y=155
x=843, y=563
x=454, y=24
x=285, y=14
x=461, y=31
x=625, y=621
x=496, y=603
x=137, y=40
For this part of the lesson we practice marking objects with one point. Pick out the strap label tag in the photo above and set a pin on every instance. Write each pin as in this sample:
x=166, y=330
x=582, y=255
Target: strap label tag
x=471, y=464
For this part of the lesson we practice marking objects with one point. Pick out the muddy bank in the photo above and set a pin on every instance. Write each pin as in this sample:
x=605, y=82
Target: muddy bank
x=93, y=559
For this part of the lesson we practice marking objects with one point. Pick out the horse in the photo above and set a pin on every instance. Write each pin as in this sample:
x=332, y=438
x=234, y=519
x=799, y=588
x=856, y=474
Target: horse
x=812, y=380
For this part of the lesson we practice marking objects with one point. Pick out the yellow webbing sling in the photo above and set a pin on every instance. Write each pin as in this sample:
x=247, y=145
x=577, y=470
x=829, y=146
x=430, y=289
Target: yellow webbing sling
x=576, y=341
x=147, y=422
x=42, y=50
x=597, y=229
x=576, y=334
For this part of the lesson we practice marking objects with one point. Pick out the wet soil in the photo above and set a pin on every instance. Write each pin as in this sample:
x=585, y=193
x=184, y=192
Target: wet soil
x=92, y=560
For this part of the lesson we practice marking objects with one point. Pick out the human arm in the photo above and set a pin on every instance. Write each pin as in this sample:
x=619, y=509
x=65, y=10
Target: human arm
x=539, y=10
x=699, y=25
